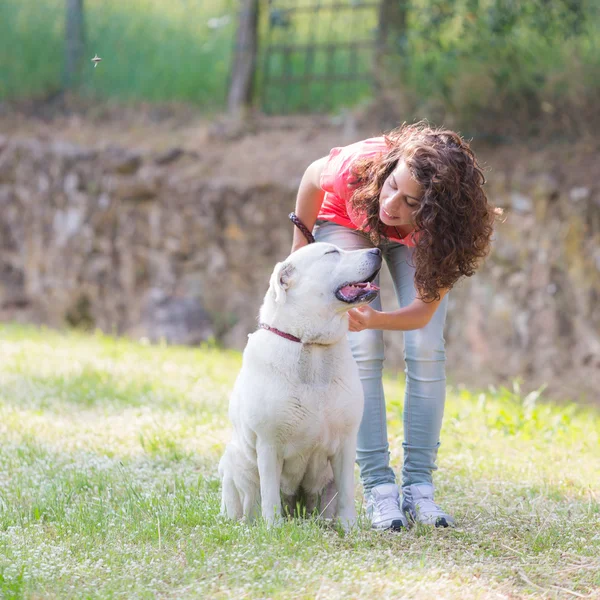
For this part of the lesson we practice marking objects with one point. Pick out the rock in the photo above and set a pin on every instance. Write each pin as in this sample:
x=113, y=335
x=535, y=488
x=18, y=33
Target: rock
x=176, y=320
x=169, y=156
x=134, y=189
x=66, y=224
x=71, y=151
x=545, y=186
x=521, y=203
x=71, y=183
x=122, y=161
x=579, y=193
x=596, y=257
x=168, y=251
x=8, y=164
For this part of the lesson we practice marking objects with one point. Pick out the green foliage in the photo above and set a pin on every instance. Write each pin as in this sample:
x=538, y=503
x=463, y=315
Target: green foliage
x=475, y=61
x=490, y=66
x=517, y=415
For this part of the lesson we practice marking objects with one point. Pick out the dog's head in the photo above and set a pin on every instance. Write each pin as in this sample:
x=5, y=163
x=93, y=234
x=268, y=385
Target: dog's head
x=319, y=283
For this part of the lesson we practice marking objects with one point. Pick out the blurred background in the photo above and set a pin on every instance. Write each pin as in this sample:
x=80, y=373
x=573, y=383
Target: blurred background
x=148, y=196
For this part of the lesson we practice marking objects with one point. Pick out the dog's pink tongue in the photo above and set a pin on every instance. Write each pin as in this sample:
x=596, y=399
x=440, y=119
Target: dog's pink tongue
x=352, y=291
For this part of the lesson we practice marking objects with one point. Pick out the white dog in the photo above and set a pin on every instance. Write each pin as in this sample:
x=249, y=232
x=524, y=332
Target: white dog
x=297, y=402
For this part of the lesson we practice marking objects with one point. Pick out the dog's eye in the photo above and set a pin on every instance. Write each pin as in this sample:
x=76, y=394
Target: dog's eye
x=331, y=252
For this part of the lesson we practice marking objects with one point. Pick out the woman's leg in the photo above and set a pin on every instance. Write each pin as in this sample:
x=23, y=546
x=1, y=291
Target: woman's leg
x=425, y=357
x=367, y=348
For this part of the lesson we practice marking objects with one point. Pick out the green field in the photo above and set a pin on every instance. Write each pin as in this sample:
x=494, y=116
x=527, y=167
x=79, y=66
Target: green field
x=108, y=489
x=151, y=50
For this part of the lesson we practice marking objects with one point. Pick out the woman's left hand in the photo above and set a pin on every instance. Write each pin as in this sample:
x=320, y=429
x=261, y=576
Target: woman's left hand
x=363, y=317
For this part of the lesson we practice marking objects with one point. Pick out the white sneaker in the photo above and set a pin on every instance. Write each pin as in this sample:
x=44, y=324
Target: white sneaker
x=383, y=507
x=419, y=507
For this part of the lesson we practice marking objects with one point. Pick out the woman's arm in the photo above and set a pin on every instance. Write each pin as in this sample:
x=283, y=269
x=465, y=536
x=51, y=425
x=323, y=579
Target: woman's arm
x=414, y=316
x=309, y=200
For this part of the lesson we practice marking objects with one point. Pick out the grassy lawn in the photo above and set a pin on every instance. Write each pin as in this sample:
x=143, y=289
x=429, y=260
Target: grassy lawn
x=108, y=489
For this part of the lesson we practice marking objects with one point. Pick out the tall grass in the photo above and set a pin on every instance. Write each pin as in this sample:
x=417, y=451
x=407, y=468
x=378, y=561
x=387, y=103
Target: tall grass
x=151, y=49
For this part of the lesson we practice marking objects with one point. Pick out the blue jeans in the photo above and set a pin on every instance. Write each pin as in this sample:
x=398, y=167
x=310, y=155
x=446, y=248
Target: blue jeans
x=425, y=359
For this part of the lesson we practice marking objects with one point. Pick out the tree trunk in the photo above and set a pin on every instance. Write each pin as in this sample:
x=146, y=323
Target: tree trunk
x=74, y=43
x=244, y=62
x=392, y=22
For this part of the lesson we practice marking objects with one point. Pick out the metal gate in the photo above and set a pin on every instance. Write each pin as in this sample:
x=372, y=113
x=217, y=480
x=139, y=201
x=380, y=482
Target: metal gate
x=317, y=55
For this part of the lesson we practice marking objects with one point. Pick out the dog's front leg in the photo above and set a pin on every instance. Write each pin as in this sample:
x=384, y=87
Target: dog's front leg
x=343, y=474
x=269, y=472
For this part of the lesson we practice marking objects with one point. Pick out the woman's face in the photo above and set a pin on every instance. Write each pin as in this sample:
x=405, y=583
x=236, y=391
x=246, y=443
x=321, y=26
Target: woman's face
x=400, y=197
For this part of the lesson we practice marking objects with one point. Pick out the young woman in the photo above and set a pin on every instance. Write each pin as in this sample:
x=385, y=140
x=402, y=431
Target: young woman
x=417, y=195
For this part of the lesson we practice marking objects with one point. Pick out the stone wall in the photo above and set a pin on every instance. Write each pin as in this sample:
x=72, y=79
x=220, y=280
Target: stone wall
x=138, y=243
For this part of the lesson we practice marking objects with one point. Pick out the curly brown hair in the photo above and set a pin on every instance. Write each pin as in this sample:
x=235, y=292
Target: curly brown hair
x=454, y=218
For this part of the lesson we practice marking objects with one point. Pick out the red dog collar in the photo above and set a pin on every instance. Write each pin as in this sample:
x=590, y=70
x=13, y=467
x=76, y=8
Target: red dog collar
x=287, y=336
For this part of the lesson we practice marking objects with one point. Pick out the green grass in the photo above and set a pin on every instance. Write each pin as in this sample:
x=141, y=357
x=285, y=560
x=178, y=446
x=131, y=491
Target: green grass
x=108, y=489
x=151, y=50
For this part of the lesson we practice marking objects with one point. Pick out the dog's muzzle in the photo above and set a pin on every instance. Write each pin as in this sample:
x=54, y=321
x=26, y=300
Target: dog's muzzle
x=359, y=291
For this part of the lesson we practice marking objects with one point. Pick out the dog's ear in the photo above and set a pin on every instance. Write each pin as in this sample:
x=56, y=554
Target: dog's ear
x=281, y=280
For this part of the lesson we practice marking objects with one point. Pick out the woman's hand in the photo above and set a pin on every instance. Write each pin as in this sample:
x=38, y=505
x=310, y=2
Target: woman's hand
x=363, y=317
